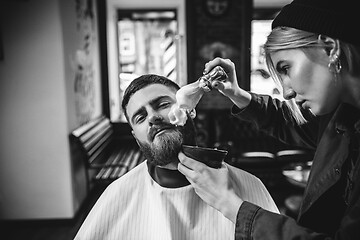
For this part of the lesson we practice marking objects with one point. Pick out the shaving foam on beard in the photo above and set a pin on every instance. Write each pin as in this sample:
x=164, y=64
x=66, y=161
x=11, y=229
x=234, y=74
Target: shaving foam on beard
x=187, y=98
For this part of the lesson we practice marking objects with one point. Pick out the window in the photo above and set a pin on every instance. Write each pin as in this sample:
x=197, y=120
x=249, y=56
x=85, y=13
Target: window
x=143, y=37
x=260, y=80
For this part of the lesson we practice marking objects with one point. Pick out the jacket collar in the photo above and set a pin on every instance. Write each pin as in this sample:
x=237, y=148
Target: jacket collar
x=347, y=119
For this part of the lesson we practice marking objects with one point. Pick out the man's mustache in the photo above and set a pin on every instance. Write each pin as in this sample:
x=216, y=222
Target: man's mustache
x=159, y=127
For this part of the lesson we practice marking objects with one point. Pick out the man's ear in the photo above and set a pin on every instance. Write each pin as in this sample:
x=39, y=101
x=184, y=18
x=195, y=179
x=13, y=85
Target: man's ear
x=332, y=46
x=132, y=132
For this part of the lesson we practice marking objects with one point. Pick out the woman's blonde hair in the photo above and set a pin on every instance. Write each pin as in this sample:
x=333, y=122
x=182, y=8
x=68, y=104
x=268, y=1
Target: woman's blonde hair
x=285, y=38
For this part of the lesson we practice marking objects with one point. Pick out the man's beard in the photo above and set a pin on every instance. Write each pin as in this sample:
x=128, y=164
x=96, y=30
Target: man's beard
x=166, y=146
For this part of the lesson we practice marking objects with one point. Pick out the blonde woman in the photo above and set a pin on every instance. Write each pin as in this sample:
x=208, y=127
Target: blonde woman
x=314, y=54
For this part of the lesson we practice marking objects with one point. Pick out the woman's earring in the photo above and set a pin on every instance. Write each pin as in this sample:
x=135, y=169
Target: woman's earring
x=335, y=64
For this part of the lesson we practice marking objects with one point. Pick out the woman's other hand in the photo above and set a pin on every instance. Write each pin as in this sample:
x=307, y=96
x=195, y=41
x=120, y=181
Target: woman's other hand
x=214, y=186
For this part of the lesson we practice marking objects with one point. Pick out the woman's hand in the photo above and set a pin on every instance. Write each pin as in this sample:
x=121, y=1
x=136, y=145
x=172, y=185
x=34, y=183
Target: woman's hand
x=214, y=186
x=230, y=87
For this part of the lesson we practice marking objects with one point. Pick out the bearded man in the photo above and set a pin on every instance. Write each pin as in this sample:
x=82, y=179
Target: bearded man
x=154, y=200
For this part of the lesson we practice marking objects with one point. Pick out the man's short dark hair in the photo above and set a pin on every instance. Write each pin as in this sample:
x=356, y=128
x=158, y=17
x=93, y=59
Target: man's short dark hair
x=144, y=81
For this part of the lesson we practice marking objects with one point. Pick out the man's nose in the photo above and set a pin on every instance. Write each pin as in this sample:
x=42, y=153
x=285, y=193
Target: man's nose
x=155, y=119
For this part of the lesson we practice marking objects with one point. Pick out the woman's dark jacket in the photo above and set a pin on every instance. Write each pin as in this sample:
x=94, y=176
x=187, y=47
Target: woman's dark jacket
x=331, y=202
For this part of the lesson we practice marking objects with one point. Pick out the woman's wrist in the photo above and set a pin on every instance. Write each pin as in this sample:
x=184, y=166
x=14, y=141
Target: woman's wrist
x=230, y=207
x=240, y=98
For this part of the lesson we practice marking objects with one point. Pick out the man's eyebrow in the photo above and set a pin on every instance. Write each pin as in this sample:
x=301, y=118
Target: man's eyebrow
x=152, y=102
x=158, y=99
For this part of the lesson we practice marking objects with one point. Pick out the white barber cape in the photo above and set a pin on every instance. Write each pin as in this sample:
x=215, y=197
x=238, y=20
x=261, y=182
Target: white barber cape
x=136, y=207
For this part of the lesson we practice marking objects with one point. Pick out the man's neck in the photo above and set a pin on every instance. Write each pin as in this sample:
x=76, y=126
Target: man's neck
x=170, y=166
x=167, y=176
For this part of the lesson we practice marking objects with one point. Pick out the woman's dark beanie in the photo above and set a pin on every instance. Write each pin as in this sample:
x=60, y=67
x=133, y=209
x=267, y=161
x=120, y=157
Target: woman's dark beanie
x=334, y=18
